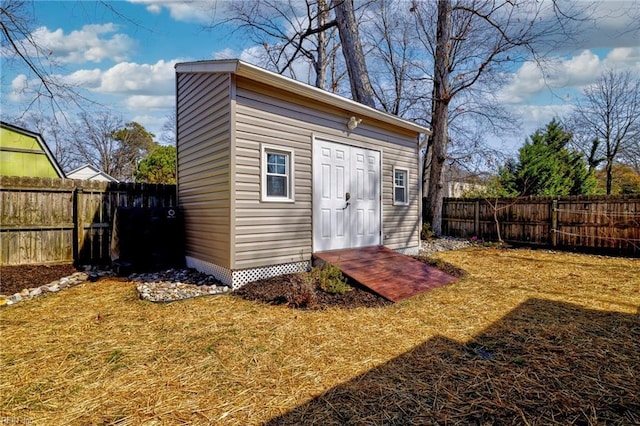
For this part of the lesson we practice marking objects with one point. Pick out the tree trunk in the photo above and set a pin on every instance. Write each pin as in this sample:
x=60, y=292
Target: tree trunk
x=609, y=169
x=361, y=89
x=321, y=61
x=439, y=116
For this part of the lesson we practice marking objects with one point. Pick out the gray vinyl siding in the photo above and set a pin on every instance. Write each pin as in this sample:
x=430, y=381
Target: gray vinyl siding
x=204, y=190
x=401, y=224
x=268, y=233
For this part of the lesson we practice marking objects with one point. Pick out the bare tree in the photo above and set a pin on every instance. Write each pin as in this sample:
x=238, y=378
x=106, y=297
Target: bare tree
x=632, y=155
x=289, y=31
x=106, y=142
x=168, y=135
x=392, y=54
x=20, y=49
x=608, y=118
x=473, y=41
x=93, y=142
x=54, y=134
x=361, y=90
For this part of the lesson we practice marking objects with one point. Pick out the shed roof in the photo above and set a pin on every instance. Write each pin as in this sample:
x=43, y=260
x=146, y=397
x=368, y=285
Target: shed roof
x=243, y=69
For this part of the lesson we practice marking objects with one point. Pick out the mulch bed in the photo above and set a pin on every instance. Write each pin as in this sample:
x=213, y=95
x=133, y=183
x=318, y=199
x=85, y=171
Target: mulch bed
x=13, y=279
x=293, y=290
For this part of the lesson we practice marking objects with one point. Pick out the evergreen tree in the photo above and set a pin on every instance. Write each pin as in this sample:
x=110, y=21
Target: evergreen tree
x=159, y=166
x=546, y=166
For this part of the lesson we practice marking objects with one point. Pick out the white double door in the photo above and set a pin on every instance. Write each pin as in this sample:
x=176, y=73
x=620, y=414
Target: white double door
x=346, y=196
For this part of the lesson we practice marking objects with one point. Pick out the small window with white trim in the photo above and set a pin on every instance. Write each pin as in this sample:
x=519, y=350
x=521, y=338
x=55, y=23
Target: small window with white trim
x=400, y=187
x=277, y=174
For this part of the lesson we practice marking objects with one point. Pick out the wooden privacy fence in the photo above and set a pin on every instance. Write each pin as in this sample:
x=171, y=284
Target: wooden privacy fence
x=47, y=221
x=601, y=223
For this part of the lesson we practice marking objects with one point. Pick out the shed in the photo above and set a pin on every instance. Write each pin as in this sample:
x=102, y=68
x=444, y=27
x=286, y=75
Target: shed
x=89, y=172
x=271, y=170
x=25, y=153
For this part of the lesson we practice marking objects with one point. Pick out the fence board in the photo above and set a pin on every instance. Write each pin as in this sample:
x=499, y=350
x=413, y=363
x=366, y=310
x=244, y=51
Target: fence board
x=607, y=223
x=45, y=220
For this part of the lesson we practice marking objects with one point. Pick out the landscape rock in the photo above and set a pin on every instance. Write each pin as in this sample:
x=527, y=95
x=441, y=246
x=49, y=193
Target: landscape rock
x=176, y=284
x=162, y=286
x=435, y=245
x=82, y=276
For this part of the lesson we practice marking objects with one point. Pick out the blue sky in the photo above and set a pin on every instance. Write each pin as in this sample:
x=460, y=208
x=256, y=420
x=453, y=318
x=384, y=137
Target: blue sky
x=123, y=56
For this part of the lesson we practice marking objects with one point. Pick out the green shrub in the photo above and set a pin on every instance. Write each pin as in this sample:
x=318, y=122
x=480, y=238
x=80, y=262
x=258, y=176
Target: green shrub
x=426, y=233
x=302, y=295
x=330, y=279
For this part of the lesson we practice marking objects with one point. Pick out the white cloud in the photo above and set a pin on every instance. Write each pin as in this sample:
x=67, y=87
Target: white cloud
x=89, y=79
x=142, y=102
x=140, y=88
x=624, y=58
x=253, y=55
x=533, y=115
x=571, y=73
x=92, y=43
x=19, y=86
x=527, y=81
x=144, y=92
x=201, y=11
x=129, y=78
x=154, y=8
x=577, y=70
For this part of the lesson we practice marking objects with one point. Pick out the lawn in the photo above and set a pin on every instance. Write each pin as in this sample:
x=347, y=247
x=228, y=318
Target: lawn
x=526, y=337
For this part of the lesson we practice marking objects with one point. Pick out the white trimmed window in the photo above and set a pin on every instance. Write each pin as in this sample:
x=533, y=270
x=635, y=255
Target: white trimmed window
x=277, y=173
x=400, y=187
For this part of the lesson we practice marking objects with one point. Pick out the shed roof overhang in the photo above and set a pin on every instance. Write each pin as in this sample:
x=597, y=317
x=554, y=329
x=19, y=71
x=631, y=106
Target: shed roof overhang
x=243, y=69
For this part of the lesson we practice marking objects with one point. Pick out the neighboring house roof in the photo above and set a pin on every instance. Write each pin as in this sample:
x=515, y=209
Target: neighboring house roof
x=244, y=69
x=23, y=153
x=89, y=172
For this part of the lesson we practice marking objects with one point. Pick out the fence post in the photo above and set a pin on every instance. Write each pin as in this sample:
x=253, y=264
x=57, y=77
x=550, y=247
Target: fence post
x=476, y=219
x=77, y=232
x=554, y=223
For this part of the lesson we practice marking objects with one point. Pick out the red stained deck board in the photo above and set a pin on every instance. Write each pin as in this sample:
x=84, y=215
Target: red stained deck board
x=391, y=275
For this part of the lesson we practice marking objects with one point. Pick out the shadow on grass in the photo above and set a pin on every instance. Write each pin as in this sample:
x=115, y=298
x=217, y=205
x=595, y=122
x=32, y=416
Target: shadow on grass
x=544, y=363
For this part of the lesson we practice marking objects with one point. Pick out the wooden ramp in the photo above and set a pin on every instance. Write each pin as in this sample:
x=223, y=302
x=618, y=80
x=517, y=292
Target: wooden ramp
x=392, y=275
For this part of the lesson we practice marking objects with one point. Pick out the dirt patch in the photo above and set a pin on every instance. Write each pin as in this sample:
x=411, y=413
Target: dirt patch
x=13, y=279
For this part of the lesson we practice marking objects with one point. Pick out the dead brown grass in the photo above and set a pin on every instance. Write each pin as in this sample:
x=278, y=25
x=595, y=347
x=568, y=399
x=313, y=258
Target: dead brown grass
x=512, y=342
